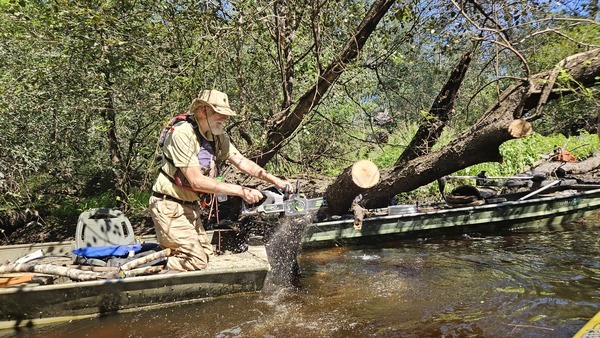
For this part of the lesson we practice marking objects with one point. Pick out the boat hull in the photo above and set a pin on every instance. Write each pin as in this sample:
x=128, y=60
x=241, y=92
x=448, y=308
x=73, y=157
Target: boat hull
x=25, y=304
x=540, y=212
x=590, y=329
x=32, y=305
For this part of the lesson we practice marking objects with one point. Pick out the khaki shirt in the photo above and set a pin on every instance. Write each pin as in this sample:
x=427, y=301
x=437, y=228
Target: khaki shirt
x=182, y=146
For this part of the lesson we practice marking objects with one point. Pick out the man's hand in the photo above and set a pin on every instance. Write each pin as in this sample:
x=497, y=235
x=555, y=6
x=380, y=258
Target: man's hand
x=283, y=185
x=250, y=195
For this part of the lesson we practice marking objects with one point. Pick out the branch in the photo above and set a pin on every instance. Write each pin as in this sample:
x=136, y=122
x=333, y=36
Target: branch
x=431, y=128
x=506, y=44
x=285, y=124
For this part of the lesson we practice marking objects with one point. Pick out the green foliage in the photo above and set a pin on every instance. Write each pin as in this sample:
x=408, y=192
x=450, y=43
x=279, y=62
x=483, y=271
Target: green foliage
x=428, y=193
x=387, y=155
x=563, y=114
x=564, y=43
x=522, y=153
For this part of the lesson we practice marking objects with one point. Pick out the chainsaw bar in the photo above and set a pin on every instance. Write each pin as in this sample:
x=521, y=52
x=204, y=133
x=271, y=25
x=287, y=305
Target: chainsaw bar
x=302, y=206
x=293, y=207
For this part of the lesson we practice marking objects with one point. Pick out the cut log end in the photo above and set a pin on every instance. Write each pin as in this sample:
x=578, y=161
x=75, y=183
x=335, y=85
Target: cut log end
x=520, y=128
x=365, y=174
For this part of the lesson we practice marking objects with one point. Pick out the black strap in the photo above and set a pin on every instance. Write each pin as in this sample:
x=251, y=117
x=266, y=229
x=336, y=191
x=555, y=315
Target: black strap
x=162, y=171
x=199, y=135
x=173, y=199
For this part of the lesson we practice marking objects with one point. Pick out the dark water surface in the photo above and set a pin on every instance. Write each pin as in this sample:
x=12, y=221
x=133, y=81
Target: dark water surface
x=539, y=284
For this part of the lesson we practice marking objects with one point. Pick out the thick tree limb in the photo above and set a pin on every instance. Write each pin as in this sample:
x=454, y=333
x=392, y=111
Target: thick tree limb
x=432, y=126
x=286, y=122
x=353, y=181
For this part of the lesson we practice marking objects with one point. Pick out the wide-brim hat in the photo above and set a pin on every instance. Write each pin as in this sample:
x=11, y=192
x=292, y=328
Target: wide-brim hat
x=217, y=100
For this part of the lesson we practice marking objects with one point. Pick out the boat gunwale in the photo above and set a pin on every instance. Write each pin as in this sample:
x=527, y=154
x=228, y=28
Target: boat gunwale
x=465, y=208
x=132, y=280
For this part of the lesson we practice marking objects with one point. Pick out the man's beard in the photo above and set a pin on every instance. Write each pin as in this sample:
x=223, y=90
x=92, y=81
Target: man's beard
x=216, y=128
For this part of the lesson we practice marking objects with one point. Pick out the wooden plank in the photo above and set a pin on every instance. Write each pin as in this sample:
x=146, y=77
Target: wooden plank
x=14, y=280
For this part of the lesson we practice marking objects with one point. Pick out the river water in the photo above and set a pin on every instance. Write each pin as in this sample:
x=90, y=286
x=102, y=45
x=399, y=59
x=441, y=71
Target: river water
x=536, y=284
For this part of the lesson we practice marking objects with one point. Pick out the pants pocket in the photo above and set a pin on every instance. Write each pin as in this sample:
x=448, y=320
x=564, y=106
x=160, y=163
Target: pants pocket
x=170, y=209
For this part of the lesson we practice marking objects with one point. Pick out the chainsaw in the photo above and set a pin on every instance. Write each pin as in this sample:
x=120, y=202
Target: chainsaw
x=281, y=203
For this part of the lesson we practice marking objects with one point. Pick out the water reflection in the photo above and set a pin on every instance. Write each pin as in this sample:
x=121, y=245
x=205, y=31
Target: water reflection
x=543, y=284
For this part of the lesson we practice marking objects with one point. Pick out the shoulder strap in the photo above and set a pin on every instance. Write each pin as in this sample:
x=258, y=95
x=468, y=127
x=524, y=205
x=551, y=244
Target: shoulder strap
x=189, y=118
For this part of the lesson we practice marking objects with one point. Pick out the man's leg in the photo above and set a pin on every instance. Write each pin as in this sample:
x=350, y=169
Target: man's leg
x=175, y=226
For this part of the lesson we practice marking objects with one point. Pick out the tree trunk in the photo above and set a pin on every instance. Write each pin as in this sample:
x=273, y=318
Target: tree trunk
x=505, y=120
x=432, y=126
x=285, y=31
x=353, y=181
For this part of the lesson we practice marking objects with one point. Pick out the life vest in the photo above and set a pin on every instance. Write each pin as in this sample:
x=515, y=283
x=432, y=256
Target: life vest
x=206, y=154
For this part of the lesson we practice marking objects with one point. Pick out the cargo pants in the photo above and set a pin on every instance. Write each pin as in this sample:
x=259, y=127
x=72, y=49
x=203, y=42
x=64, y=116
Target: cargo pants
x=179, y=227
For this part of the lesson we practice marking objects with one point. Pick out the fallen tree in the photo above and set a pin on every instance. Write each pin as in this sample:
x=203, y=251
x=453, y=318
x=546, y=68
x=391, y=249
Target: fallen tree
x=353, y=181
x=562, y=169
x=508, y=118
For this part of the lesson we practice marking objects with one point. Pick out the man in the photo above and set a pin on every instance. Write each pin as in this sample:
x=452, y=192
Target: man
x=188, y=171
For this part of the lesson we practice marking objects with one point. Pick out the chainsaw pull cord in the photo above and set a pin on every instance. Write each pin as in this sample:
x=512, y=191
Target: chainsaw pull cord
x=214, y=205
x=214, y=202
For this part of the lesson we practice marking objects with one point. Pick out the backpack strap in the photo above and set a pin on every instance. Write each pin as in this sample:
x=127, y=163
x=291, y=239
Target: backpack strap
x=200, y=138
x=189, y=119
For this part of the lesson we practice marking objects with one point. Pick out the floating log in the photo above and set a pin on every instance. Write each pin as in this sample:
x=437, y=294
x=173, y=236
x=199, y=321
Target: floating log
x=354, y=180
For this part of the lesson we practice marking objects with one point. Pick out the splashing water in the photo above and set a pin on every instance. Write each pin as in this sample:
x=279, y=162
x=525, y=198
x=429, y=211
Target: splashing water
x=283, y=244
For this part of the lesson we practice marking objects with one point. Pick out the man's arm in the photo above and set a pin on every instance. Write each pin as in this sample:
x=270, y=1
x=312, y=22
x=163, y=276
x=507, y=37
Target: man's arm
x=249, y=167
x=208, y=185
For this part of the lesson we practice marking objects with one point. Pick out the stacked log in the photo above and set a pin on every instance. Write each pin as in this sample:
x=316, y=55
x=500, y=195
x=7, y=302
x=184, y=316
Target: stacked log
x=83, y=273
